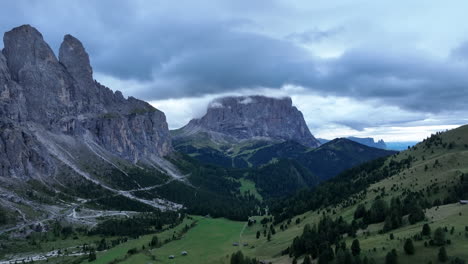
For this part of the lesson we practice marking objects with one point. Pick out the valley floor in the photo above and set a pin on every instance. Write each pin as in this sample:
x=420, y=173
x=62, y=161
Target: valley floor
x=212, y=241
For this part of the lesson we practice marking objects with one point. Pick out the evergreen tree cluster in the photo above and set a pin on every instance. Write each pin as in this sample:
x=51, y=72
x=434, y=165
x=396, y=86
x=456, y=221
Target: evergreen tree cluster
x=346, y=189
x=239, y=258
x=317, y=240
x=327, y=251
x=461, y=189
x=281, y=178
x=391, y=215
x=212, y=191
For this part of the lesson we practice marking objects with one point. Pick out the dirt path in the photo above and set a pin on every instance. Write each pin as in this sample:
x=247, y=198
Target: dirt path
x=241, y=233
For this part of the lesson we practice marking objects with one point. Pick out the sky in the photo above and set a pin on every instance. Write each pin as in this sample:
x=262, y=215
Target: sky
x=396, y=70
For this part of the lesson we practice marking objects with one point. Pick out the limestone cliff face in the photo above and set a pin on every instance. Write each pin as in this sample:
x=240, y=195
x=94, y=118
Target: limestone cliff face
x=40, y=93
x=248, y=117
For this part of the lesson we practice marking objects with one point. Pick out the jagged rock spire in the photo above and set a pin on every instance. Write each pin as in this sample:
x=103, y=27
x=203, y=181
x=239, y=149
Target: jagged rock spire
x=74, y=57
x=25, y=46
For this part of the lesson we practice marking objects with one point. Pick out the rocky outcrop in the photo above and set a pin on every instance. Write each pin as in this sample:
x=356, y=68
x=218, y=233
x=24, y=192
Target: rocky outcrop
x=249, y=117
x=370, y=142
x=39, y=92
x=75, y=58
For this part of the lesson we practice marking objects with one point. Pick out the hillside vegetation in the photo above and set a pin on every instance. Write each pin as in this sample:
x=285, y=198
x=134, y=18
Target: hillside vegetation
x=428, y=178
x=400, y=209
x=380, y=204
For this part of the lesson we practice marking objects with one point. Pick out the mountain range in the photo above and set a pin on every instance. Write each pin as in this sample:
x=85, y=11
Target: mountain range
x=84, y=170
x=72, y=141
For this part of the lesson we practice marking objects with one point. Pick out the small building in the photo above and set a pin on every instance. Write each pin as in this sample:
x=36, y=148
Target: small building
x=246, y=244
x=235, y=244
x=171, y=257
x=463, y=201
x=184, y=253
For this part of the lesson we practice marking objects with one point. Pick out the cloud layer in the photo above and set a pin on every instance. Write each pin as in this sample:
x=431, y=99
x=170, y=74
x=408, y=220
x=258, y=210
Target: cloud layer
x=405, y=66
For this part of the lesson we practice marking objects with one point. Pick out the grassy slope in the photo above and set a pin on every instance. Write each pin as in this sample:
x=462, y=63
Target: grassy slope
x=248, y=186
x=445, y=216
x=211, y=240
x=454, y=161
x=120, y=251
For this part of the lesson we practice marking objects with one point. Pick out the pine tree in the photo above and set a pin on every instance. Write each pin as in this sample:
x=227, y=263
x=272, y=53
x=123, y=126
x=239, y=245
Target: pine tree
x=439, y=237
x=340, y=256
x=360, y=211
x=426, y=230
x=391, y=257
x=416, y=214
x=409, y=247
x=258, y=234
x=154, y=242
x=442, y=255
x=355, y=247
x=237, y=258
x=92, y=255
x=272, y=229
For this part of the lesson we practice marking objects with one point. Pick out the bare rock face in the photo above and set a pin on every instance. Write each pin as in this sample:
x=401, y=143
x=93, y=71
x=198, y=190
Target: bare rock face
x=255, y=116
x=39, y=92
x=47, y=87
x=75, y=58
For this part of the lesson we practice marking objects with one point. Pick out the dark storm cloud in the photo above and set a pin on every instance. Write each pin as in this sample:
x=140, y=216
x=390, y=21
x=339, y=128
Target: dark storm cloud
x=399, y=78
x=182, y=50
x=221, y=58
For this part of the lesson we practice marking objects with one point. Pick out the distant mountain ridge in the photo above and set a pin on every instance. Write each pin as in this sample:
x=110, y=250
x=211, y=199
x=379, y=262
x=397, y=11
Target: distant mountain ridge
x=323, y=162
x=370, y=142
x=402, y=145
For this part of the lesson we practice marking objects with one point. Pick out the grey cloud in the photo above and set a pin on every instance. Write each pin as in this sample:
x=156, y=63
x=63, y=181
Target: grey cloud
x=354, y=124
x=314, y=35
x=188, y=50
x=361, y=124
x=461, y=52
x=398, y=78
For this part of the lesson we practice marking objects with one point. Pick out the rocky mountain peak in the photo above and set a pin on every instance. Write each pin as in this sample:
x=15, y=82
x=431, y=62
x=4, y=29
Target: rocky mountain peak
x=247, y=117
x=44, y=100
x=24, y=46
x=74, y=57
